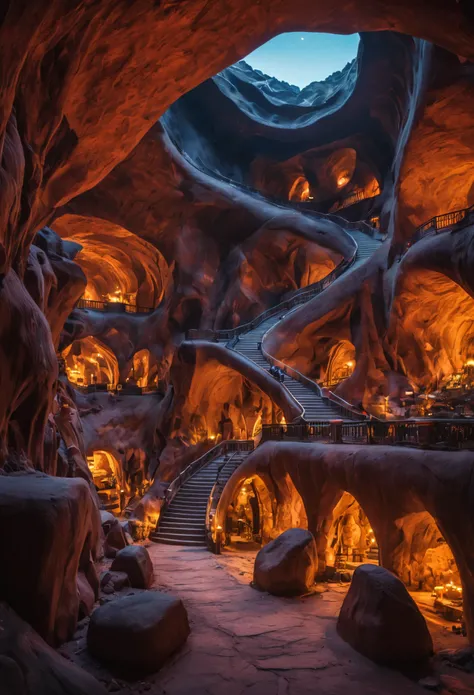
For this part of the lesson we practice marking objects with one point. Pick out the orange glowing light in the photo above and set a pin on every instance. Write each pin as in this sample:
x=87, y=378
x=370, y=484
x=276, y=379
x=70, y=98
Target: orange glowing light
x=343, y=180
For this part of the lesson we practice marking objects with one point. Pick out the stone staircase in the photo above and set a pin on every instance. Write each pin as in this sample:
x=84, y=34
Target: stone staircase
x=316, y=409
x=183, y=522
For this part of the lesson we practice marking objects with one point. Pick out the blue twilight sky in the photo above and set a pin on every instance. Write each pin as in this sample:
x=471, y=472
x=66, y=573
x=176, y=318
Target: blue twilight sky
x=301, y=58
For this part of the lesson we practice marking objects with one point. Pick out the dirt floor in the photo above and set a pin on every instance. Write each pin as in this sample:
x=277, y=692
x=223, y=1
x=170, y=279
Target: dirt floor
x=246, y=642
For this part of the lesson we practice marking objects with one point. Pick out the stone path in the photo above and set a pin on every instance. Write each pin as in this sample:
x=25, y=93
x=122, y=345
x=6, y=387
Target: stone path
x=244, y=642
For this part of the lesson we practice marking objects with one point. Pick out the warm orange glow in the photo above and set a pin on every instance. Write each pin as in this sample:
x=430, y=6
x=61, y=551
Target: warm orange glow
x=300, y=190
x=343, y=180
x=469, y=363
x=339, y=367
x=140, y=371
x=85, y=365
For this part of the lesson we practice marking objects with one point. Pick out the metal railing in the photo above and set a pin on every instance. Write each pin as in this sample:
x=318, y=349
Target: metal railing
x=193, y=468
x=116, y=307
x=458, y=219
x=453, y=434
x=353, y=198
x=300, y=297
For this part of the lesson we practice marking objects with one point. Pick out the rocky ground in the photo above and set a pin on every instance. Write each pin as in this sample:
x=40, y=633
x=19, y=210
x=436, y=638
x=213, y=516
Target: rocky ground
x=244, y=641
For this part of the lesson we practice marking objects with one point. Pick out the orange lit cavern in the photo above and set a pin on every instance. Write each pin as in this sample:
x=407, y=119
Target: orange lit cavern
x=237, y=341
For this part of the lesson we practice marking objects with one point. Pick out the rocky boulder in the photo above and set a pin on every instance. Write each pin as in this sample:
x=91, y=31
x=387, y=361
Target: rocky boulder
x=136, y=634
x=381, y=621
x=49, y=530
x=288, y=564
x=135, y=561
x=113, y=581
x=28, y=666
x=115, y=540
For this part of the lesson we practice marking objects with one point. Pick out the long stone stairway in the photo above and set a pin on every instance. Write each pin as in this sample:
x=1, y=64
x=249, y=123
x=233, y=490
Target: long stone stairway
x=316, y=409
x=183, y=521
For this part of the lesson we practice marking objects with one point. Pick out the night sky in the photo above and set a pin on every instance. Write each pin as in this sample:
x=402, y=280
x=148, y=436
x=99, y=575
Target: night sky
x=301, y=58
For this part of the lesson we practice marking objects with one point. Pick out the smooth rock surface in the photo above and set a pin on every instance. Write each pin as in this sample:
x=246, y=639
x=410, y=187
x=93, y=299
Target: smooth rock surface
x=28, y=666
x=287, y=565
x=115, y=540
x=135, y=561
x=48, y=532
x=139, y=632
x=380, y=619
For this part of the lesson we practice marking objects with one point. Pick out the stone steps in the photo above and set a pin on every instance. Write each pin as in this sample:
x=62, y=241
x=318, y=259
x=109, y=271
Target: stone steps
x=315, y=408
x=183, y=522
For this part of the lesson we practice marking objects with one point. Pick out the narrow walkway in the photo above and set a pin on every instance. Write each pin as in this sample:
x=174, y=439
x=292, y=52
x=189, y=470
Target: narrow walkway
x=184, y=521
x=315, y=408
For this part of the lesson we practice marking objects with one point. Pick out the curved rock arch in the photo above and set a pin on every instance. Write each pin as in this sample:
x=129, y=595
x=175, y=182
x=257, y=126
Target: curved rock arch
x=389, y=483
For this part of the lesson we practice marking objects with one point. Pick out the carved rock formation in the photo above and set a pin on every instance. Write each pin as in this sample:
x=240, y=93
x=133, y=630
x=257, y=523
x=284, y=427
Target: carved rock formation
x=391, y=484
x=28, y=666
x=380, y=619
x=56, y=524
x=136, y=634
x=287, y=565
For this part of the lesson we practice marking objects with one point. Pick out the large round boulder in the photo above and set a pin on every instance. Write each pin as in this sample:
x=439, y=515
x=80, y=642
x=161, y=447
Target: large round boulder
x=136, y=634
x=381, y=620
x=287, y=565
x=136, y=562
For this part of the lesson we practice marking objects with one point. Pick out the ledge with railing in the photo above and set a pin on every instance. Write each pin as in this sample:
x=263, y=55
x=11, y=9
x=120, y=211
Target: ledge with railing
x=299, y=297
x=355, y=197
x=112, y=307
x=450, y=221
x=452, y=434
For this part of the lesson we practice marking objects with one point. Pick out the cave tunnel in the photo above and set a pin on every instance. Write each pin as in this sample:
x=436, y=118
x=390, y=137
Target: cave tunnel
x=119, y=265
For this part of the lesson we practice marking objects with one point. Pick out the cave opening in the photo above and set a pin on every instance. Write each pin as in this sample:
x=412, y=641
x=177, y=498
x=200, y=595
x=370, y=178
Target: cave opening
x=107, y=475
x=90, y=363
x=346, y=539
x=301, y=58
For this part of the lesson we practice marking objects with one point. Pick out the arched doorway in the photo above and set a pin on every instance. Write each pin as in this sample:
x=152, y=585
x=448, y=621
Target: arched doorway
x=88, y=362
x=341, y=363
x=346, y=538
x=144, y=370
x=425, y=563
x=107, y=475
x=245, y=515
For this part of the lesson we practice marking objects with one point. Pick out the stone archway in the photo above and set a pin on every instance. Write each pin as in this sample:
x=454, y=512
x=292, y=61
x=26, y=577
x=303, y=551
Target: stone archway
x=89, y=362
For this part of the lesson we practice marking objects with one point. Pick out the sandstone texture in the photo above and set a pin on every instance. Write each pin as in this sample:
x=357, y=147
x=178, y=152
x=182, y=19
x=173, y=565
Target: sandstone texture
x=28, y=666
x=135, y=562
x=137, y=634
x=381, y=620
x=55, y=523
x=287, y=565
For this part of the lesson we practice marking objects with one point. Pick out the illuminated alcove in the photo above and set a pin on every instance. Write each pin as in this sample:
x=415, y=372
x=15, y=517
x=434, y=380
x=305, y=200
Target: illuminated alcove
x=88, y=362
x=108, y=480
x=254, y=516
x=119, y=265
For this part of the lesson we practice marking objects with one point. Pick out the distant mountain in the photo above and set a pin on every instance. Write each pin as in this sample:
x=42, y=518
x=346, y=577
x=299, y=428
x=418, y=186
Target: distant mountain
x=315, y=92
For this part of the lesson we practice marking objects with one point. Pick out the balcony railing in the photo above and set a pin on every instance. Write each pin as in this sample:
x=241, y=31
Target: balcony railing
x=453, y=434
x=113, y=307
x=458, y=219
